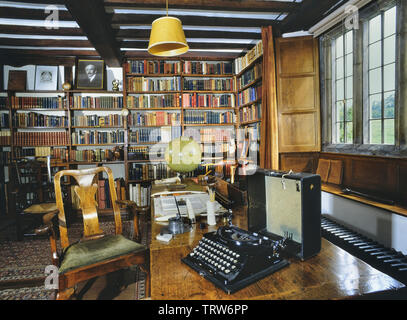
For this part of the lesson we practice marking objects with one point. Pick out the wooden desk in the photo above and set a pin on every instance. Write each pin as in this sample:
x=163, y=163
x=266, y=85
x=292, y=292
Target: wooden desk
x=332, y=274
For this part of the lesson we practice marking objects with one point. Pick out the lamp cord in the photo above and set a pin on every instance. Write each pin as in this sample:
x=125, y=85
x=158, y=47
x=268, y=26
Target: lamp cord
x=166, y=6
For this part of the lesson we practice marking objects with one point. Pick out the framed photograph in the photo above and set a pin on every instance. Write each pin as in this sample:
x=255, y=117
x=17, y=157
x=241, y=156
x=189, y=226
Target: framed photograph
x=46, y=78
x=90, y=74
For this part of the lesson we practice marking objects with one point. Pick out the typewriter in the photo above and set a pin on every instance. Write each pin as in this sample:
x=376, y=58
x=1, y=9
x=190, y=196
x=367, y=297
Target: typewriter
x=232, y=258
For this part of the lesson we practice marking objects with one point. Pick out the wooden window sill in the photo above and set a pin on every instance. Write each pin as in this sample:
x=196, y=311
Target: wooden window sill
x=336, y=190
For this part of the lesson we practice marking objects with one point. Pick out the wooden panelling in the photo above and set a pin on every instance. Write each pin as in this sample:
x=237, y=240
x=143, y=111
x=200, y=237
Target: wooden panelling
x=298, y=95
x=381, y=176
x=299, y=162
x=297, y=56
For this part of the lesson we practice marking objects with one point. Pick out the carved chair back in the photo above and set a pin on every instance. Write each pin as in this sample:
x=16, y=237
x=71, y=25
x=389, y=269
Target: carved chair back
x=86, y=191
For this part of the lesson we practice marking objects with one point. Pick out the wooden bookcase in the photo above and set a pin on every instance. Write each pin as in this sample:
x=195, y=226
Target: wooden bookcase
x=166, y=98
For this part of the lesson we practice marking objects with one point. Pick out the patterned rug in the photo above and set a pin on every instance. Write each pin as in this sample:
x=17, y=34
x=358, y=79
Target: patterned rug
x=22, y=263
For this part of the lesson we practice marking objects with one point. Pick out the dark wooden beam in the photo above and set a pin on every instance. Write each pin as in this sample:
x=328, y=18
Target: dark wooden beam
x=145, y=19
x=145, y=34
x=49, y=53
x=199, y=55
x=45, y=43
x=41, y=31
x=19, y=59
x=32, y=14
x=95, y=23
x=192, y=45
x=310, y=12
x=221, y=5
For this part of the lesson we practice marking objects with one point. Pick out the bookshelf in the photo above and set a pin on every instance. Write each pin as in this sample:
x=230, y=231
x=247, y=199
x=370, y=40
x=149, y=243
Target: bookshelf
x=249, y=101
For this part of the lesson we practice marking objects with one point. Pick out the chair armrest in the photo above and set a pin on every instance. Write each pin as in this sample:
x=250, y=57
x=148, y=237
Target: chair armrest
x=48, y=229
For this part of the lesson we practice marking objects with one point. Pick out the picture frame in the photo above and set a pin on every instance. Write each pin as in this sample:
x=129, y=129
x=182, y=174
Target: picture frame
x=90, y=74
x=46, y=77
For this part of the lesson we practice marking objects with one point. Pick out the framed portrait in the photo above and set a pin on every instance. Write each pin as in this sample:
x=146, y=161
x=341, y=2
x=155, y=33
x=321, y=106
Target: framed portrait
x=90, y=74
x=46, y=78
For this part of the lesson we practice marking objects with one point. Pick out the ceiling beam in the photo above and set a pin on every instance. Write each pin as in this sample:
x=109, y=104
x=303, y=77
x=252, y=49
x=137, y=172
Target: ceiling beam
x=192, y=45
x=27, y=30
x=32, y=14
x=311, y=12
x=45, y=43
x=19, y=60
x=142, y=19
x=95, y=23
x=222, y=5
x=49, y=52
x=145, y=34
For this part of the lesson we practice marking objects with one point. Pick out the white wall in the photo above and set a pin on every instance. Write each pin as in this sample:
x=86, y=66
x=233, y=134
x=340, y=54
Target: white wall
x=387, y=228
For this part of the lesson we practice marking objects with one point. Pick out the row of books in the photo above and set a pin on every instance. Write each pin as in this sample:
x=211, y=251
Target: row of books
x=150, y=84
x=52, y=138
x=216, y=149
x=4, y=120
x=200, y=67
x=208, y=117
x=149, y=171
x=153, y=101
x=153, y=67
x=158, y=118
x=3, y=102
x=209, y=135
x=209, y=84
x=34, y=119
x=138, y=153
x=249, y=95
x=111, y=120
x=5, y=157
x=104, y=200
x=38, y=102
x=97, y=137
x=251, y=75
x=250, y=113
x=196, y=100
x=154, y=135
x=55, y=153
x=107, y=102
x=252, y=132
x=242, y=62
x=140, y=194
x=95, y=155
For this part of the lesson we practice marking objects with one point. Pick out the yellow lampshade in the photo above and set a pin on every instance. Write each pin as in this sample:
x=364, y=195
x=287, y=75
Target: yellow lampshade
x=167, y=39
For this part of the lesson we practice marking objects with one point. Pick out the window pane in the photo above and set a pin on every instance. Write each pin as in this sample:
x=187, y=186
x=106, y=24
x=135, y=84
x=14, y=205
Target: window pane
x=349, y=132
x=375, y=103
x=375, y=131
x=375, y=55
x=375, y=29
x=389, y=100
x=349, y=110
x=390, y=17
x=340, y=90
x=339, y=68
x=389, y=50
x=340, y=133
x=349, y=42
x=375, y=81
x=349, y=65
x=389, y=131
x=389, y=77
x=349, y=88
x=339, y=47
x=340, y=111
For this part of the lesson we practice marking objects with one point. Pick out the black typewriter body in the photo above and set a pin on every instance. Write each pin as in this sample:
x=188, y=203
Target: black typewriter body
x=232, y=258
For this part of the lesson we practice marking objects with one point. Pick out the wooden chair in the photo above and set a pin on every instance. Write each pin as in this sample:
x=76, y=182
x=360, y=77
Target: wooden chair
x=31, y=197
x=96, y=254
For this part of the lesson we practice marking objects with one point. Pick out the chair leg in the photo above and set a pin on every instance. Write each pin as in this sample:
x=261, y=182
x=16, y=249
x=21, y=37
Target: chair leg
x=65, y=294
x=148, y=281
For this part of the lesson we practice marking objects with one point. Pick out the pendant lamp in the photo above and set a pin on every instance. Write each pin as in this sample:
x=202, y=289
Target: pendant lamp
x=167, y=39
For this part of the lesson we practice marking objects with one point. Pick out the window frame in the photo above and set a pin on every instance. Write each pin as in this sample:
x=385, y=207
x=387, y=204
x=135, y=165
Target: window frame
x=360, y=81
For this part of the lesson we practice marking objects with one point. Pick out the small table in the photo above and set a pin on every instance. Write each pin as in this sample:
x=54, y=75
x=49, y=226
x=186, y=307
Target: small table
x=332, y=274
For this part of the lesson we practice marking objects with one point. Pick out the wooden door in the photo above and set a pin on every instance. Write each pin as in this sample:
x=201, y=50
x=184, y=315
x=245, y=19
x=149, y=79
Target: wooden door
x=298, y=97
